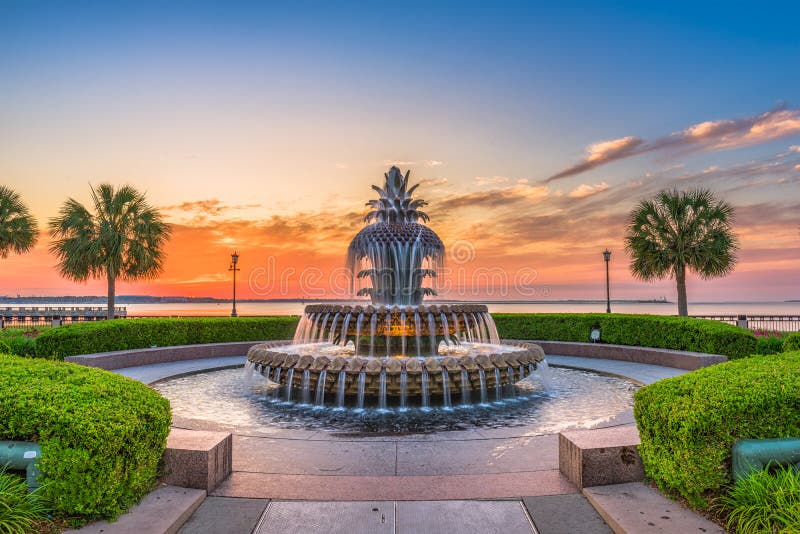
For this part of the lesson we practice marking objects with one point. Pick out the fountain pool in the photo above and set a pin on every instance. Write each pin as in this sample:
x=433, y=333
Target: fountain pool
x=254, y=405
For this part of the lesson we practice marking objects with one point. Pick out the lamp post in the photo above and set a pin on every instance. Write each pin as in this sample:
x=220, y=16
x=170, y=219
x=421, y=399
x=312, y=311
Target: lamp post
x=607, y=257
x=234, y=268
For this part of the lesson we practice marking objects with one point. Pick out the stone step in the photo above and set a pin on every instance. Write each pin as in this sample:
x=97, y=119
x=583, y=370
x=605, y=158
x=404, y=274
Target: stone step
x=635, y=508
x=406, y=488
x=162, y=511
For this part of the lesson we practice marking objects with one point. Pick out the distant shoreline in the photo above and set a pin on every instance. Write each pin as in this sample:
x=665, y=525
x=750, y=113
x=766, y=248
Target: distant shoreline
x=146, y=299
x=149, y=299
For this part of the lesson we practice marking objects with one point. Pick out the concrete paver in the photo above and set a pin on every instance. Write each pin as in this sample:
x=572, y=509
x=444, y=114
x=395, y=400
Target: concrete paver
x=365, y=517
x=225, y=514
x=639, y=509
x=538, y=453
x=462, y=517
x=301, y=457
x=565, y=514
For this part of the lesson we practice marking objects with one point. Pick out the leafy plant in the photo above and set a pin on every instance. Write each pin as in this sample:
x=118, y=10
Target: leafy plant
x=791, y=342
x=688, y=424
x=18, y=508
x=768, y=344
x=764, y=501
x=104, y=336
x=679, y=230
x=677, y=333
x=102, y=435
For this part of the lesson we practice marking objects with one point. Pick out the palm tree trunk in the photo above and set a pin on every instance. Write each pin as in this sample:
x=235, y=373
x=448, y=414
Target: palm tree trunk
x=111, y=296
x=680, y=277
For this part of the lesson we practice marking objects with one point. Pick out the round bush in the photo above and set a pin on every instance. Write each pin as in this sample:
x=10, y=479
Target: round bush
x=102, y=435
x=659, y=331
x=688, y=424
x=791, y=342
x=123, y=334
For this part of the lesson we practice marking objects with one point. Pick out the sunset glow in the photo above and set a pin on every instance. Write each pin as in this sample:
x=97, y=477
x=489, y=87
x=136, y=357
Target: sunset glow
x=532, y=132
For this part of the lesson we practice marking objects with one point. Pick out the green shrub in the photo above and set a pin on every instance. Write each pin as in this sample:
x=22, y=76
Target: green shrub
x=791, y=342
x=764, y=501
x=102, y=435
x=660, y=331
x=18, y=508
x=121, y=334
x=688, y=424
x=769, y=344
x=18, y=345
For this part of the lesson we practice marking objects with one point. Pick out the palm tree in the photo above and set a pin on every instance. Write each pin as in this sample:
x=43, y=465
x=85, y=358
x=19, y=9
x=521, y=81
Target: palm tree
x=676, y=230
x=123, y=239
x=18, y=229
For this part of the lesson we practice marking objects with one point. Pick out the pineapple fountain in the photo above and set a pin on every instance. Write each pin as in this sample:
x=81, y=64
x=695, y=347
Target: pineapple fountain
x=396, y=351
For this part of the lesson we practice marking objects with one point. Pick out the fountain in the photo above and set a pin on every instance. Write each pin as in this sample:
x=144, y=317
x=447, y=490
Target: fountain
x=396, y=347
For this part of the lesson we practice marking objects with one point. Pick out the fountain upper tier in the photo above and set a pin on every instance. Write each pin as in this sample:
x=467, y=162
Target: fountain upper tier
x=396, y=330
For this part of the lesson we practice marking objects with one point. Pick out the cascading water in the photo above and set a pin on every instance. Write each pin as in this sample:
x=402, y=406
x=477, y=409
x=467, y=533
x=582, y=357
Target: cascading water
x=340, y=389
x=289, y=380
x=382, y=391
x=424, y=387
x=305, y=397
x=319, y=396
x=396, y=347
x=362, y=377
x=464, y=388
x=484, y=392
x=403, y=390
x=446, y=388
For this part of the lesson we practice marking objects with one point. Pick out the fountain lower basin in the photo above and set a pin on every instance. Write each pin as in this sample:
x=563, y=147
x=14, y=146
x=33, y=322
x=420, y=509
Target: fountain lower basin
x=334, y=370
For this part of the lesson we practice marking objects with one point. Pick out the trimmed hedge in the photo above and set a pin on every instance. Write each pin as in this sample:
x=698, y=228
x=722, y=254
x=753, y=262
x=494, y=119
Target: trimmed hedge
x=102, y=435
x=122, y=334
x=659, y=331
x=688, y=424
x=791, y=342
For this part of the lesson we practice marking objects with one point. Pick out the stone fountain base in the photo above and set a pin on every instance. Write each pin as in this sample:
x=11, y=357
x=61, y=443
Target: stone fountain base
x=398, y=375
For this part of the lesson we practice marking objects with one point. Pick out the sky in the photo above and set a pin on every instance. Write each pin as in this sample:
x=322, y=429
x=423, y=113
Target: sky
x=533, y=129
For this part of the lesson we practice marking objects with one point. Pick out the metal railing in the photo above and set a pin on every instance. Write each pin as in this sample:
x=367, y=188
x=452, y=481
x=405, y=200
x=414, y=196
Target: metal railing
x=54, y=315
x=782, y=323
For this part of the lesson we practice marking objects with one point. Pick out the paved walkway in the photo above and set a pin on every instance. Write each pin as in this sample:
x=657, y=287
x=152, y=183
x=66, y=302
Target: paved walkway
x=555, y=514
x=482, y=481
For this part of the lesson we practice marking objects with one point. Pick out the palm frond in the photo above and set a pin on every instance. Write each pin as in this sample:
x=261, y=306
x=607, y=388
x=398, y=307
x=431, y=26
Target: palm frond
x=18, y=228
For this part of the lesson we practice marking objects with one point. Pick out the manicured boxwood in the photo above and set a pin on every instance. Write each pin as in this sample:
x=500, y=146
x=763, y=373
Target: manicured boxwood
x=122, y=334
x=678, y=333
x=102, y=435
x=689, y=423
x=791, y=342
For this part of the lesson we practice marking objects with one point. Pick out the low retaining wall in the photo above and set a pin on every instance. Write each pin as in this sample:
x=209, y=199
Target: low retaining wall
x=688, y=361
x=121, y=359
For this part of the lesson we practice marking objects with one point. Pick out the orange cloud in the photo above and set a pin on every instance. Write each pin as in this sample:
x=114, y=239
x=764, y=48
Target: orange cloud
x=708, y=135
x=586, y=190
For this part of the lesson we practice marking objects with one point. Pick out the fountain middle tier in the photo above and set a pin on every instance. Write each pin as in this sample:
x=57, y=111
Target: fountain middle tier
x=396, y=330
x=469, y=366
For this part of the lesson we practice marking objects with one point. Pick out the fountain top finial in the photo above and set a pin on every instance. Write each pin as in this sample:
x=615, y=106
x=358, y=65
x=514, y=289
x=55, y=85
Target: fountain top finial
x=395, y=204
